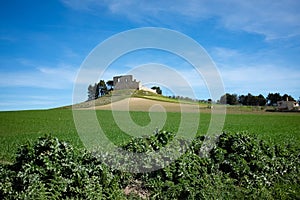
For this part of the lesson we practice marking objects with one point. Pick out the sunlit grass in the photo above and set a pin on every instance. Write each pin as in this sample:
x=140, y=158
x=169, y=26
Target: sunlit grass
x=20, y=127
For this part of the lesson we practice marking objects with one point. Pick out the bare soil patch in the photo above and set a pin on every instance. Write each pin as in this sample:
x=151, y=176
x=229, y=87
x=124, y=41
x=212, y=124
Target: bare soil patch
x=140, y=104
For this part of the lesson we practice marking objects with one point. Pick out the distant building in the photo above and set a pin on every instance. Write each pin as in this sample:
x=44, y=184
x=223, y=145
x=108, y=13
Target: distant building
x=125, y=82
x=287, y=105
x=147, y=89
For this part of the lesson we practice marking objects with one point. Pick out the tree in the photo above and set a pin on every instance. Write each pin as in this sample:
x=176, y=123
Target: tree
x=110, y=84
x=272, y=98
x=230, y=99
x=96, y=86
x=261, y=100
x=92, y=92
x=252, y=100
x=223, y=99
x=102, y=88
x=242, y=99
x=287, y=97
x=233, y=99
x=157, y=89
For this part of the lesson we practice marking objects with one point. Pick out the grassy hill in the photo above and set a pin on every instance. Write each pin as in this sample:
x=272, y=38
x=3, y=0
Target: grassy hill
x=257, y=155
x=118, y=95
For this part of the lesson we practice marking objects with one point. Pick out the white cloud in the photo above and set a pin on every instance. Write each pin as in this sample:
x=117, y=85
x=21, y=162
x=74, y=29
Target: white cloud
x=225, y=53
x=19, y=100
x=184, y=81
x=261, y=79
x=78, y=4
x=259, y=72
x=274, y=19
x=70, y=53
x=59, y=77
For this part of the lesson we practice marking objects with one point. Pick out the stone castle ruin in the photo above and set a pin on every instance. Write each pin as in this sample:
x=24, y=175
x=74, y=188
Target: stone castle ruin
x=126, y=82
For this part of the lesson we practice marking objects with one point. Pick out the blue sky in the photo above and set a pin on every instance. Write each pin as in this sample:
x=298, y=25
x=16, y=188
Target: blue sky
x=254, y=44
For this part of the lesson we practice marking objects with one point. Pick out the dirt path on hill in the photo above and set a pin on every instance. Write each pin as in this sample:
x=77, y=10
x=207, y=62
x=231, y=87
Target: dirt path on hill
x=139, y=104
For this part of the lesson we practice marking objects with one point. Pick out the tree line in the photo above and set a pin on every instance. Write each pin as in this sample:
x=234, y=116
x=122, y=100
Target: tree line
x=252, y=100
x=99, y=89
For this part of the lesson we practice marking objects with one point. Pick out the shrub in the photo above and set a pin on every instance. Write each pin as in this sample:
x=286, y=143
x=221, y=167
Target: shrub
x=50, y=169
x=239, y=166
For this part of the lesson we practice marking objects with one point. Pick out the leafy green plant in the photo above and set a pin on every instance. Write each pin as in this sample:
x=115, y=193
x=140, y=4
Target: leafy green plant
x=153, y=143
x=239, y=166
x=53, y=169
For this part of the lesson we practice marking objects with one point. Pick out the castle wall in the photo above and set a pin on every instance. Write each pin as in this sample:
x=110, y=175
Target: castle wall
x=125, y=82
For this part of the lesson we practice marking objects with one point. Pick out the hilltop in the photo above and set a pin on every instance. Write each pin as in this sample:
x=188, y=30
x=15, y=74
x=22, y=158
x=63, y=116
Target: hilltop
x=139, y=100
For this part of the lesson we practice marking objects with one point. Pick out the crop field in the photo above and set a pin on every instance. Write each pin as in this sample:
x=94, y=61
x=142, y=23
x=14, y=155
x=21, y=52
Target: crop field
x=256, y=157
x=20, y=127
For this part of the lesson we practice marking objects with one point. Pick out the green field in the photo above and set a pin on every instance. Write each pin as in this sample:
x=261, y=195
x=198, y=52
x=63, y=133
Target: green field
x=20, y=127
